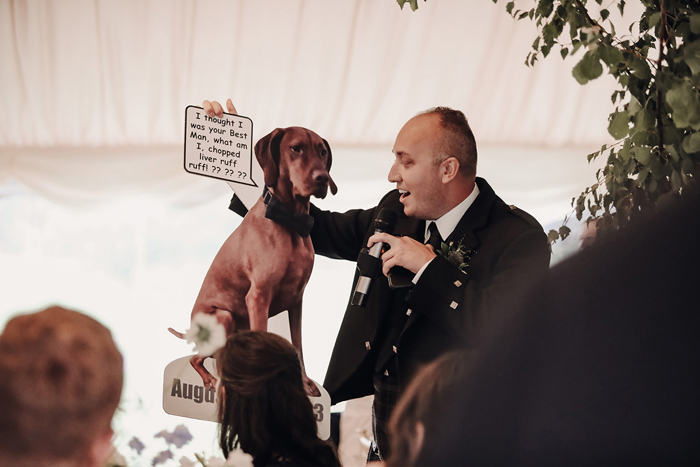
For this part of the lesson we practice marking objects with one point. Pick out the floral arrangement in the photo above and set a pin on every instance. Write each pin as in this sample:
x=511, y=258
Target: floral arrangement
x=175, y=440
x=456, y=254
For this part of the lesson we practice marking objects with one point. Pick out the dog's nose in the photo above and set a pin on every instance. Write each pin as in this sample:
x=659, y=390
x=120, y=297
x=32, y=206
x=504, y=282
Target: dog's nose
x=321, y=178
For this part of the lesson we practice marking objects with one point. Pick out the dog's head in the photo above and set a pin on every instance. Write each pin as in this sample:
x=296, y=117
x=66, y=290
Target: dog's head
x=296, y=159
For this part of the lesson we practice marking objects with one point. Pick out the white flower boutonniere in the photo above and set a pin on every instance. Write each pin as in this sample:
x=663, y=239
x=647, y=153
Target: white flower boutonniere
x=456, y=254
x=207, y=334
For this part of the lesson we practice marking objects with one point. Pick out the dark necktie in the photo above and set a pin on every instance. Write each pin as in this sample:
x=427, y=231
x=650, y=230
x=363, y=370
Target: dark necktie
x=435, y=240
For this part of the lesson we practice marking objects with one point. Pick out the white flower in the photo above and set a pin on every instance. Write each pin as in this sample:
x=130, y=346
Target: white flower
x=238, y=458
x=207, y=334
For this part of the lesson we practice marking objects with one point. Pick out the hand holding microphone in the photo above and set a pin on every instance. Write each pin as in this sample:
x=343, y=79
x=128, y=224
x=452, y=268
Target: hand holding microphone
x=402, y=260
x=367, y=262
x=404, y=252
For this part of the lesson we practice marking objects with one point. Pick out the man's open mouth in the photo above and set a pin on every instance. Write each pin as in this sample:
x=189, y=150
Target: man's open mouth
x=404, y=194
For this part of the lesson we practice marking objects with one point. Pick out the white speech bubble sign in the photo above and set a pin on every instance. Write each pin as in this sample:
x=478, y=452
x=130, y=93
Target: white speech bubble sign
x=219, y=148
x=184, y=395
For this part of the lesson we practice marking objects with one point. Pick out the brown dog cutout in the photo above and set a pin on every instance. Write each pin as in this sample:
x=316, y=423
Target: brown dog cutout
x=265, y=264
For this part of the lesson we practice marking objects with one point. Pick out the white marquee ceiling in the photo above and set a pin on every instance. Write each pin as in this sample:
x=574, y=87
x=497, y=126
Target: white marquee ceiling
x=116, y=73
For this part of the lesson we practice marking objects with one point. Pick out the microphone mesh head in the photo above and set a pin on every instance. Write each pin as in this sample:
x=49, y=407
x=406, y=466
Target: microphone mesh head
x=385, y=221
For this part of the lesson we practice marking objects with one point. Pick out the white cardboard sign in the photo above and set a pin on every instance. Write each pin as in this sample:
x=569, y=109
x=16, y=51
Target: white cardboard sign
x=184, y=395
x=219, y=147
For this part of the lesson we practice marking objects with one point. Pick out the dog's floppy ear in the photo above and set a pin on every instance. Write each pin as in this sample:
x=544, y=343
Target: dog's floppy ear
x=267, y=150
x=331, y=183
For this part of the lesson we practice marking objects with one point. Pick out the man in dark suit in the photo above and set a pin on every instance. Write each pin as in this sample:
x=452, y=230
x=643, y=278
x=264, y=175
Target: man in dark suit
x=491, y=254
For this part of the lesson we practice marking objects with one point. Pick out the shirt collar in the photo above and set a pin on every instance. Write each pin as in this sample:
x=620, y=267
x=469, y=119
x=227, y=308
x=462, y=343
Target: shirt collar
x=448, y=222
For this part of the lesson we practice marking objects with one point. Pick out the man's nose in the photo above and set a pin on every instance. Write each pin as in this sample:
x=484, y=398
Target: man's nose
x=394, y=176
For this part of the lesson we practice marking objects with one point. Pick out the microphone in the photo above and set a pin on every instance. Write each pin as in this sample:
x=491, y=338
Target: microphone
x=368, y=262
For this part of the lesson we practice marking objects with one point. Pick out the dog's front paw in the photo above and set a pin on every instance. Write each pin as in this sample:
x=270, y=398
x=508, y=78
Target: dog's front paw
x=310, y=387
x=209, y=381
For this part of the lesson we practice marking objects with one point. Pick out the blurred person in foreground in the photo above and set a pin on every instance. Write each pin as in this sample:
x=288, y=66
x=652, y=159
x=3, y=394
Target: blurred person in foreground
x=61, y=378
x=263, y=407
x=601, y=365
x=415, y=411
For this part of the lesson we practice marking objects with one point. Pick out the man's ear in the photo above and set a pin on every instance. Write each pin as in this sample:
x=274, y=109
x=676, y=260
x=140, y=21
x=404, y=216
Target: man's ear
x=101, y=449
x=418, y=438
x=449, y=168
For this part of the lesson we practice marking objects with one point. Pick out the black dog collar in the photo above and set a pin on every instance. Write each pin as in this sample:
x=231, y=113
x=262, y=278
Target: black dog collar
x=278, y=212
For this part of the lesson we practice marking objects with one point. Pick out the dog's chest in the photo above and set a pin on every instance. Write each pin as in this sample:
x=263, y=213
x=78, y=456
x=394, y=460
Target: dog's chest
x=297, y=270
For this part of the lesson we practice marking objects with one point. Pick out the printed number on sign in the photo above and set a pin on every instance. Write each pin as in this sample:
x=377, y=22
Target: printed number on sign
x=318, y=411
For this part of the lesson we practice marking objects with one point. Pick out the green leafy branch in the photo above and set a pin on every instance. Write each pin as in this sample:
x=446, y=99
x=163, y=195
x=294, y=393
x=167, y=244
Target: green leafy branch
x=657, y=118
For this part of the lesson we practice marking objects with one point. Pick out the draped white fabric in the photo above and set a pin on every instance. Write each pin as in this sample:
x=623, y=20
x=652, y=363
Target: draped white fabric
x=97, y=212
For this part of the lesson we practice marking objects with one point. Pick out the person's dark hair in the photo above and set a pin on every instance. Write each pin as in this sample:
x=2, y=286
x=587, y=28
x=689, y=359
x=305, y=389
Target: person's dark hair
x=419, y=403
x=458, y=140
x=263, y=407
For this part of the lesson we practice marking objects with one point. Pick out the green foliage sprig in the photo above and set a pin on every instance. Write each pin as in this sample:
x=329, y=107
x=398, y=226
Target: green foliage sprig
x=412, y=3
x=656, y=64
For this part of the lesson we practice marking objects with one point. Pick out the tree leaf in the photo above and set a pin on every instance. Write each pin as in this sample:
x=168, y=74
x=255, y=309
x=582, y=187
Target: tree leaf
x=643, y=175
x=644, y=120
x=611, y=55
x=654, y=19
x=641, y=69
x=564, y=231
x=695, y=23
x=691, y=143
x=642, y=154
x=413, y=4
x=685, y=105
x=619, y=124
x=588, y=68
x=691, y=55
x=545, y=7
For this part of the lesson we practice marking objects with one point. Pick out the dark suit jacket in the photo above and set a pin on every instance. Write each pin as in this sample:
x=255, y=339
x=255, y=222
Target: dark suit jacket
x=510, y=252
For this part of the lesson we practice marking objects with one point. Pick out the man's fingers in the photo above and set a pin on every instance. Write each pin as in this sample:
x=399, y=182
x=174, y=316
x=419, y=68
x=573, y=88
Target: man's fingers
x=380, y=237
x=231, y=108
x=218, y=110
x=213, y=108
x=387, y=265
x=208, y=108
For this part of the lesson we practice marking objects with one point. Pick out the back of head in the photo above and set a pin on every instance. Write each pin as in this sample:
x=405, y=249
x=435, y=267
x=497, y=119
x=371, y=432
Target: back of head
x=457, y=139
x=61, y=382
x=412, y=424
x=263, y=406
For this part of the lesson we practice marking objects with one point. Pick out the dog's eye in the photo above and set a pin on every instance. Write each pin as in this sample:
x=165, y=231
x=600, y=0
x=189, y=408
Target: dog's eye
x=324, y=153
x=296, y=148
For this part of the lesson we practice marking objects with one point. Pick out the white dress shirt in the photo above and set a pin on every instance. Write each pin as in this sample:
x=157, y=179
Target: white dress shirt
x=447, y=223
